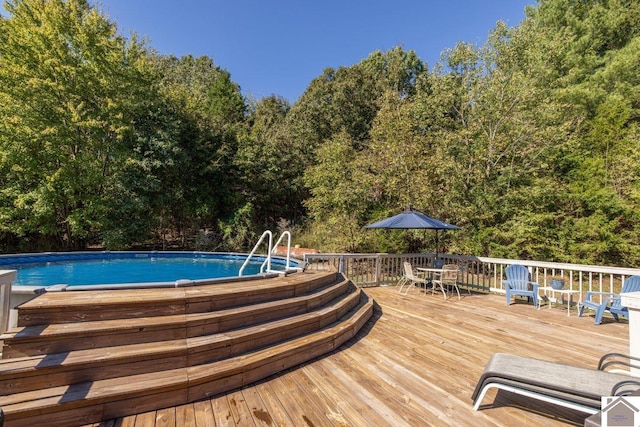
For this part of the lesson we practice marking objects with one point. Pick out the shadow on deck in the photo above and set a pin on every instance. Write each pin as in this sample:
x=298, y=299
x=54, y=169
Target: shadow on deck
x=416, y=362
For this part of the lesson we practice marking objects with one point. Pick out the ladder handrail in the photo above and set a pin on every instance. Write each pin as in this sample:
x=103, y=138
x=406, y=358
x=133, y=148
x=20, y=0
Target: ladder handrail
x=268, y=260
x=275, y=248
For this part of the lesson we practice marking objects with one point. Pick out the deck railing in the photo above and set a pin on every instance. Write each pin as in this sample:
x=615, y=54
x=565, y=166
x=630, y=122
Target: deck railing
x=478, y=273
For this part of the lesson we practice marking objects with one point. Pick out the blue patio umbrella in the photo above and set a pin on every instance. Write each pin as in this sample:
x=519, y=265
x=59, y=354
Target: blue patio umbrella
x=411, y=219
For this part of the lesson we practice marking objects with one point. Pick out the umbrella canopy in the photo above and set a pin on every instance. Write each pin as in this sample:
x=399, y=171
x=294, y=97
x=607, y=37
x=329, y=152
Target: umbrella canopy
x=411, y=219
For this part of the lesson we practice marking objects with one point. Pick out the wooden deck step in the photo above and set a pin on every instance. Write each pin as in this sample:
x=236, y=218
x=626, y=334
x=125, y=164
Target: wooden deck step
x=64, y=337
x=83, y=306
x=87, y=402
x=42, y=371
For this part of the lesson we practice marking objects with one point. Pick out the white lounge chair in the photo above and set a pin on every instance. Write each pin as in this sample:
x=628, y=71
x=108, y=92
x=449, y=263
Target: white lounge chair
x=565, y=385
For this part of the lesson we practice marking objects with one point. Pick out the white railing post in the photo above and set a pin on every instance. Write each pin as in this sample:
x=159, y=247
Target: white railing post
x=632, y=301
x=6, y=279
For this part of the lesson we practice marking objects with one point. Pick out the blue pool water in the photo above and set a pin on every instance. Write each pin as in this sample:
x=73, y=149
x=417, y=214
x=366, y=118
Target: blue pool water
x=125, y=267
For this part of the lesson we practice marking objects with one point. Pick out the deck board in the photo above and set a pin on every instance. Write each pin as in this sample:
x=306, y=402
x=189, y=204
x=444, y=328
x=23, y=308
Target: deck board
x=204, y=413
x=167, y=417
x=274, y=413
x=222, y=412
x=239, y=409
x=185, y=415
x=416, y=364
x=259, y=412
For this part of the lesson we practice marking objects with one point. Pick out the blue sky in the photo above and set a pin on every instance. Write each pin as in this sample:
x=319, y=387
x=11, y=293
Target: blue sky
x=279, y=46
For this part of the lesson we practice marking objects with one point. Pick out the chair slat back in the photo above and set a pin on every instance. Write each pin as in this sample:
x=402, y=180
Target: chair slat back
x=632, y=284
x=518, y=275
x=449, y=274
x=408, y=270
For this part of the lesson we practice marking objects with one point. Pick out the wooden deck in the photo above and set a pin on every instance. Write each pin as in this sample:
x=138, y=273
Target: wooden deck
x=416, y=363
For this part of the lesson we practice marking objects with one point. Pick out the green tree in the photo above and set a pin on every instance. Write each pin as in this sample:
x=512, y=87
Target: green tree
x=269, y=168
x=68, y=83
x=337, y=116
x=490, y=129
x=339, y=195
x=586, y=48
x=207, y=113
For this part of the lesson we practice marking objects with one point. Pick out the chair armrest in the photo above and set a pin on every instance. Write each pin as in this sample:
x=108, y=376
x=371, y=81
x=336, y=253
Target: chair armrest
x=587, y=296
x=625, y=388
x=610, y=299
x=611, y=359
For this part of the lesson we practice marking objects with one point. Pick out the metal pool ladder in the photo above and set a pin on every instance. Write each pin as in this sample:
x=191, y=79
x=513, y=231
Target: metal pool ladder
x=271, y=250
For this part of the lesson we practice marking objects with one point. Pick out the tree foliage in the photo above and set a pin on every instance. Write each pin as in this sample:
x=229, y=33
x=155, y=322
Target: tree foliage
x=68, y=85
x=528, y=142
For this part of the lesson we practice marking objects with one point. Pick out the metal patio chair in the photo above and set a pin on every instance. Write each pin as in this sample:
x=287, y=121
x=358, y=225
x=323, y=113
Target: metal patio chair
x=448, y=278
x=410, y=279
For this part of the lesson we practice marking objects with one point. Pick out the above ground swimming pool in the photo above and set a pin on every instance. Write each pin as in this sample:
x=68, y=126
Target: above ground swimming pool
x=108, y=268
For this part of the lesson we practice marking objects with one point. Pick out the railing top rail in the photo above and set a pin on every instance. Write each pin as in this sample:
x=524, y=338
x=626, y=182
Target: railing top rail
x=557, y=265
x=8, y=275
x=625, y=271
x=369, y=255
